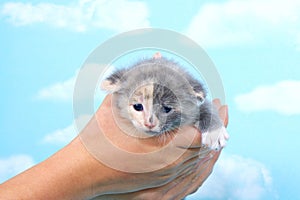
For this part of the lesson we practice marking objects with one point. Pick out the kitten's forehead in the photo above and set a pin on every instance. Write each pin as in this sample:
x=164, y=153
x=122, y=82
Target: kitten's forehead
x=144, y=91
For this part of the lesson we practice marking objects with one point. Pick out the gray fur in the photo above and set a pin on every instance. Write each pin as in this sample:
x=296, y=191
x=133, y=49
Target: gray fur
x=173, y=87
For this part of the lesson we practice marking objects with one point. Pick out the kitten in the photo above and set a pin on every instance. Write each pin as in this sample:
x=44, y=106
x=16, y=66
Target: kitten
x=157, y=96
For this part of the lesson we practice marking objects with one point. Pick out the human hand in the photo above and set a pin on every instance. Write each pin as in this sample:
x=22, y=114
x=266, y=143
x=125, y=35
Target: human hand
x=74, y=173
x=185, y=183
x=138, y=163
x=179, y=188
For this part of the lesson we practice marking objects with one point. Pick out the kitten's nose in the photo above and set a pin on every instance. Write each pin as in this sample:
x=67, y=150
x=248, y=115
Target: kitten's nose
x=149, y=125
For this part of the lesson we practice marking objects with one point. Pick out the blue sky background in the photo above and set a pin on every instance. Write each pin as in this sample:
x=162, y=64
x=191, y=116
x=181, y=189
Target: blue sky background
x=255, y=46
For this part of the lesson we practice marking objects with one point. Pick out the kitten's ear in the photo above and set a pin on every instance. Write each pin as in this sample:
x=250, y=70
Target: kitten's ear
x=157, y=55
x=200, y=96
x=113, y=82
x=199, y=92
x=108, y=86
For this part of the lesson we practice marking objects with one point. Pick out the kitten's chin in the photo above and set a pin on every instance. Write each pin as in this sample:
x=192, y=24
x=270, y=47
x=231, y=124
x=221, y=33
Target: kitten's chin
x=151, y=132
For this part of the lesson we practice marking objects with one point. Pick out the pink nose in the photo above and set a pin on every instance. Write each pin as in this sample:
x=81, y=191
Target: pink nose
x=149, y=125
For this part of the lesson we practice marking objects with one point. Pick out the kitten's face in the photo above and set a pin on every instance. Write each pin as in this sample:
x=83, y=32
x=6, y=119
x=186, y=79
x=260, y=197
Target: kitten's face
x=155, y=95
x=154, y=109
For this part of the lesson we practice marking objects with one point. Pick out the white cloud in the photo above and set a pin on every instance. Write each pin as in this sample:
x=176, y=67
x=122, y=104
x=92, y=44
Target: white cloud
x=116, y=15
x=61, y=91
x=61, y=136
x=65, y=135
x=245, y=22
x=282, y=97
x=235, y=177
x=13, y=165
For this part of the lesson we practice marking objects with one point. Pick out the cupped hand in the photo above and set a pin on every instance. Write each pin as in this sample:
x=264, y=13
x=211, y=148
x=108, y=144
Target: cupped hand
x=190, y=166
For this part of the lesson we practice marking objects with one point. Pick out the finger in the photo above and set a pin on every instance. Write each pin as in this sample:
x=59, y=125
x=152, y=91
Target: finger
x=186, y=183
x=217, y=103
x=189, y=151
x=183, y=168
x=177, y=188
x=161, y=192
x=194, y=162
x=223, y=113
x=195, y=180
x=204, y=170
x=186, y=168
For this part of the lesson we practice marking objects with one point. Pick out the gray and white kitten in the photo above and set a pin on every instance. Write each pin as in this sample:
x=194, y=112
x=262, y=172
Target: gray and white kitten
x=157, y=96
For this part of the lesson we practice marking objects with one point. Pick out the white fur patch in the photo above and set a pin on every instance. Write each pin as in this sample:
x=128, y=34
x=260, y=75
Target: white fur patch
x=215, y=139
x=108, y=86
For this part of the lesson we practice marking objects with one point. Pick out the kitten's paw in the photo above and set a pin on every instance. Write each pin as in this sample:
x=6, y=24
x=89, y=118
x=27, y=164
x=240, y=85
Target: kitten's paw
x=215, y=139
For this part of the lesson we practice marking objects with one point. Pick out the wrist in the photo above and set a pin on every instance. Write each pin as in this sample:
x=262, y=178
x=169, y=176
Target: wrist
x=71, y=173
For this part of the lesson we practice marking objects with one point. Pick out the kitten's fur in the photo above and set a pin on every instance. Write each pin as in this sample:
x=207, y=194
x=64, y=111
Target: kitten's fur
x=158, y=96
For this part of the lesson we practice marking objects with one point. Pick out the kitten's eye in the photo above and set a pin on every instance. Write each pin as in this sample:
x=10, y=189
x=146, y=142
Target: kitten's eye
x=166, y=109
x=138, y=107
